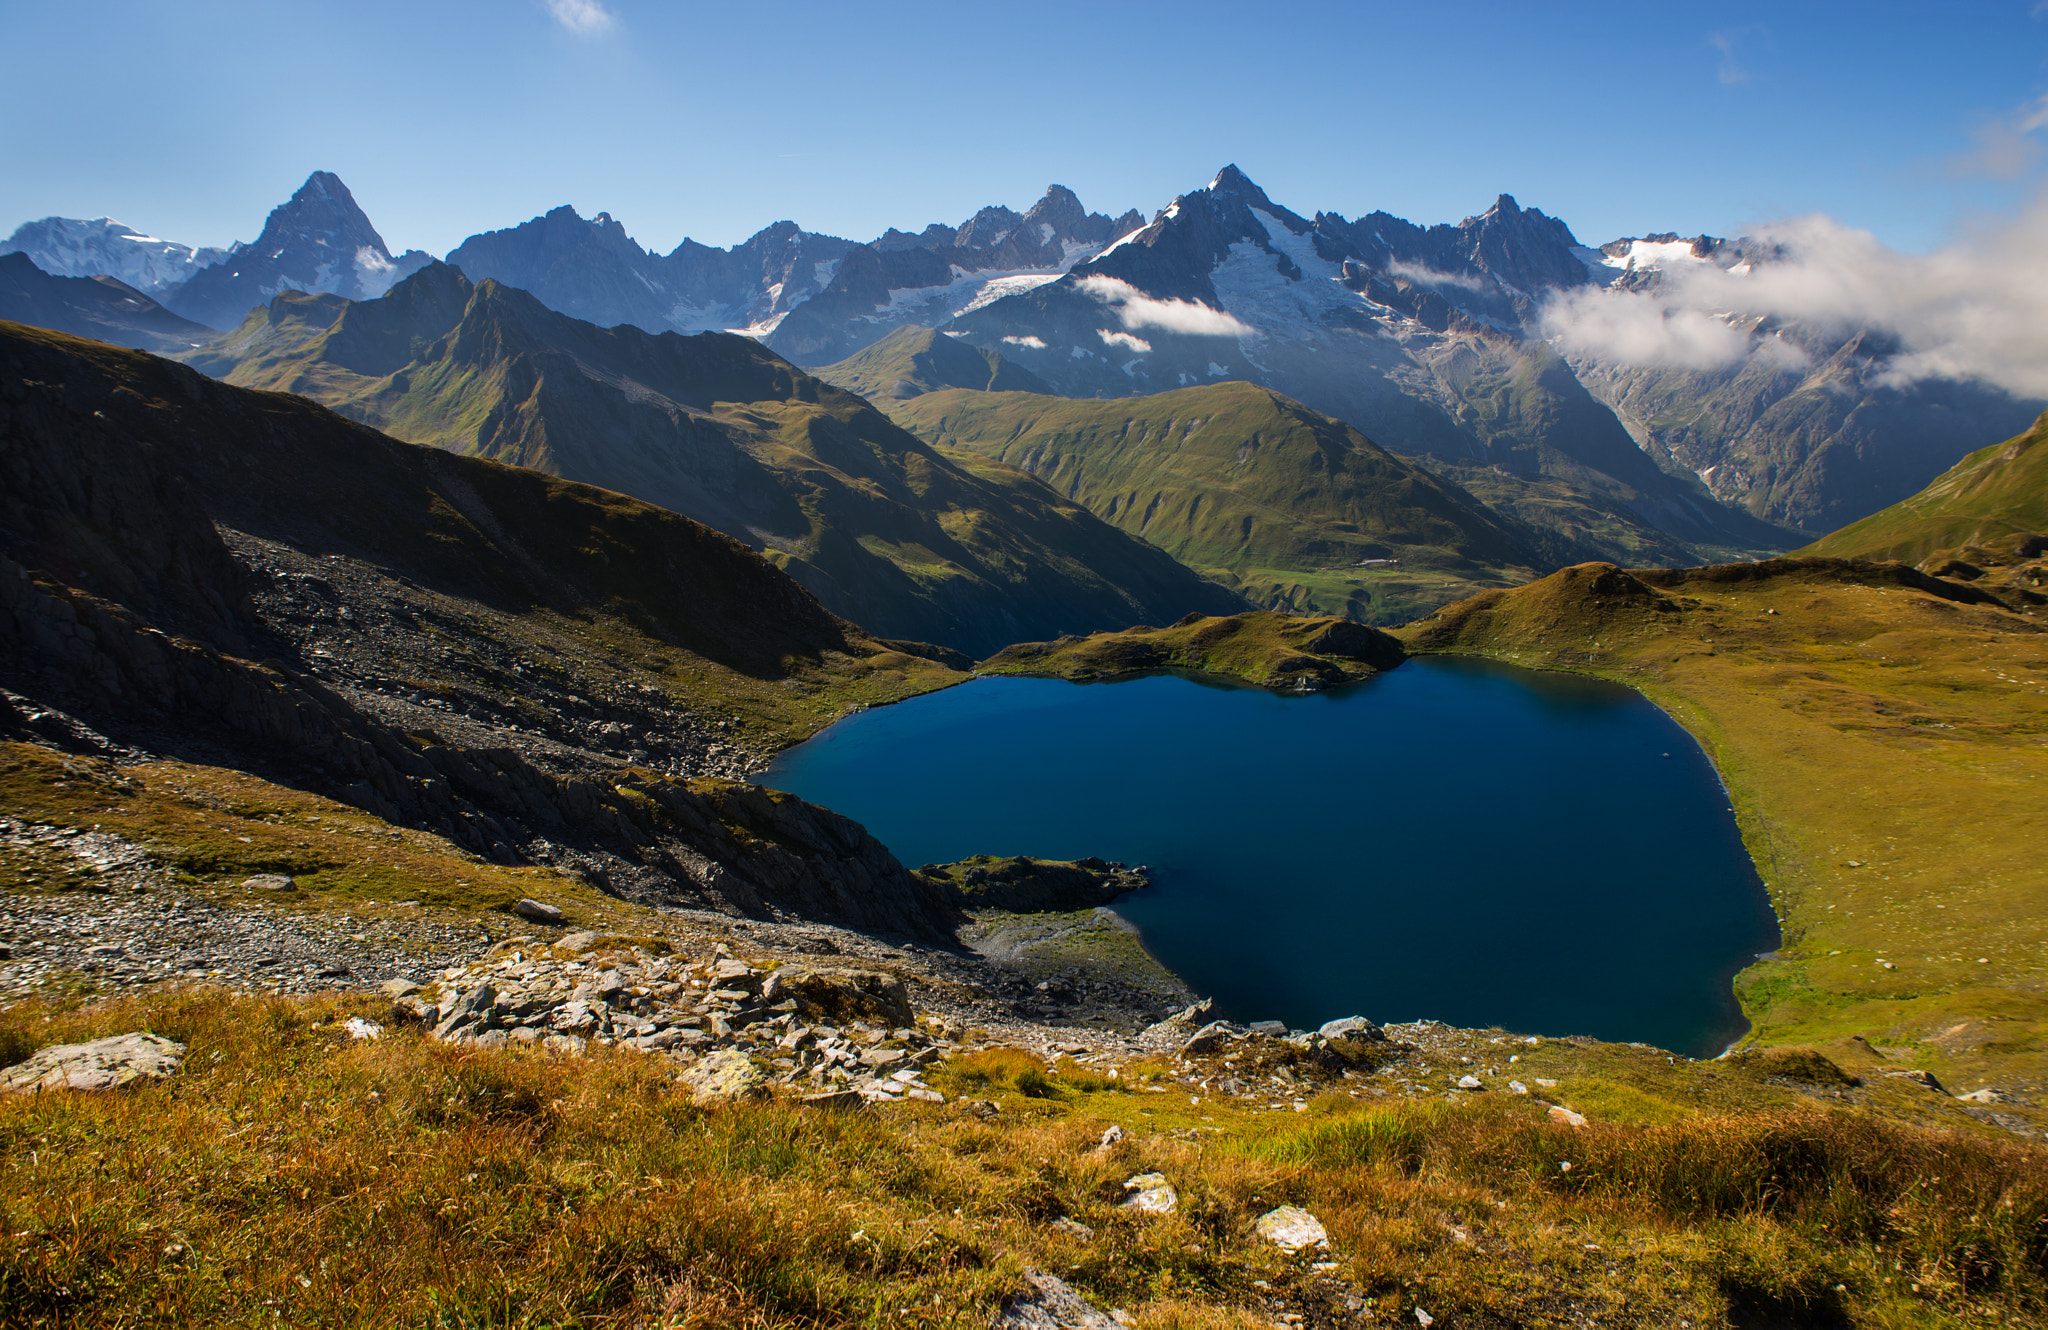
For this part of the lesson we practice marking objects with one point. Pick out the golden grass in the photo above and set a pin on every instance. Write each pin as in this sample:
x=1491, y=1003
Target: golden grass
x=292, y=1175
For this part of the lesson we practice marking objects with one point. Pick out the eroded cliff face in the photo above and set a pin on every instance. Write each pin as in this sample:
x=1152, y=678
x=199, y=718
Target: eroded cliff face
x=152, y=516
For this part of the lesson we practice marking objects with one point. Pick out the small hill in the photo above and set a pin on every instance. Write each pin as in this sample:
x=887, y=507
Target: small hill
x=1991, y=505
x=1287, y=651
x=910, y=362
x=1296, y=509
x=880, y=527
x=102, y=308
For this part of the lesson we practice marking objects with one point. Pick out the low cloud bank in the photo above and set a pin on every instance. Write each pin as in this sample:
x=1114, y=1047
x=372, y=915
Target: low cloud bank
x=1138, y=310
x=1976, y=309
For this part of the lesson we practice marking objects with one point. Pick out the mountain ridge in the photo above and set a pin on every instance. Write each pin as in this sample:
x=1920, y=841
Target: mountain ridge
x=884, y=530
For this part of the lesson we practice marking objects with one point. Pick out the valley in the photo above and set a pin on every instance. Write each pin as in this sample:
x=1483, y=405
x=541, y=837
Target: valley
x=482, y=714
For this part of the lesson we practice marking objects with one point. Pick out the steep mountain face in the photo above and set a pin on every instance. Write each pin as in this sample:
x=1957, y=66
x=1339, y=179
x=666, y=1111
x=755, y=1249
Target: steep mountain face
x=97, y=307
x=813, y=298
x=103, y=247
x=1989, y=508
x=881, y=528
x=1809, y=429
x=912, y=361
x=593, y=270
x=1295, y=509
x=246, y=579
x=1422, y=338
x=318, y=241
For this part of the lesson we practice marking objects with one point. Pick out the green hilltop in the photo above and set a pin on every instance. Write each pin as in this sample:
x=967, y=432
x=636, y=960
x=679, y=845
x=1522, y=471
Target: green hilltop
x=1990, y=505
x=880, y=527
x=1295, y=509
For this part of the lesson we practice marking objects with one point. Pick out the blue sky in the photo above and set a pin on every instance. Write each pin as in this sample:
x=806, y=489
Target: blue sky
x=1916, y=121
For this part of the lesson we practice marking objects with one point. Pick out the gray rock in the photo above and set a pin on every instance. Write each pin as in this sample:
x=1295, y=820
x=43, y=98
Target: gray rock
x=539, y=912
x=1470, y=1083
x=1208, y=1039
x=398, y=988
x=270, y=882
x=471, y=1009
x=1987, y=1095
x=1050, y=1303
x=578, y=942
x=1271, y=1029
x=1291, y=1228
x=103, y=1064
x=1919, y=1077
x=724, y=1076
x=1350, y=1027
x=836, y=1100
x=1150, y=1193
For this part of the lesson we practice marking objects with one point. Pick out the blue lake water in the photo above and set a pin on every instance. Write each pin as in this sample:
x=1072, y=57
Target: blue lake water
x=1454, y=839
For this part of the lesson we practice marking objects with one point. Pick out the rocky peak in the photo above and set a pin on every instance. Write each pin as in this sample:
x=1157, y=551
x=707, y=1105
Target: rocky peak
x=1060, y=209
x=322, y=213
x=987, y=228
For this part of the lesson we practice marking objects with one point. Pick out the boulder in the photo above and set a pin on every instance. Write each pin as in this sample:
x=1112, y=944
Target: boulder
x=724, y=1076
x=841, y=996
x=1049, y=1303
x=539, y=912
x=270, y=882
x=1208, y=1039
x=1351, y=1027
x=1559, y=1113
x=103, y=1064
x=578, y=942
x=1987, y=1095
x=1291, y=1228
x=1150, y=1193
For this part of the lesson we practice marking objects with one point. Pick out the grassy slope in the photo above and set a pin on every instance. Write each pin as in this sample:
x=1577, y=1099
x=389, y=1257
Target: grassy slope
x=1885, y=748
x=912, y=360
x=291, y=1172
x=1249, y=487
x=1988, y=499
x=878, y=526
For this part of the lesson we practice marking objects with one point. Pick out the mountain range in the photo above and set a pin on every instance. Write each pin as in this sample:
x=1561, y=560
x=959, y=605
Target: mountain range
x=1428, y=340
x=882, y=528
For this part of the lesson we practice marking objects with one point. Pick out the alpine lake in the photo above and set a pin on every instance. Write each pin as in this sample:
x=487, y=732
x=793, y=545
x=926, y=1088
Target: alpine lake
x=1454, y=839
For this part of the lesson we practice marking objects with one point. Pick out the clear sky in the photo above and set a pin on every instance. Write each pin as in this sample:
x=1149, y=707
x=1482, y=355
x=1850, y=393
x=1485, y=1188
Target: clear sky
x=445, y=117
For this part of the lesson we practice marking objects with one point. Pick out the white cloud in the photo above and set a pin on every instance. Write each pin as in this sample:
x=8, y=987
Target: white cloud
x=2006, y=148
x=1035, y=343
x=585, y=18
x=1427, y=276
x=1730, y=72
x=1138, y=344
x=1975, y=309
x=1138, y=310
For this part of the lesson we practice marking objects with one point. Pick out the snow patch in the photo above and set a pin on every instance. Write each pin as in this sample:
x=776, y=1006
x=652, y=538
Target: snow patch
x=1217, y=371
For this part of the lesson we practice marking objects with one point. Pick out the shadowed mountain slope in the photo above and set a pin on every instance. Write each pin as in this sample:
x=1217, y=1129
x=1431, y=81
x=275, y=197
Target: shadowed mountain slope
x=882, y=528
x=1295, y=509
x=539, y=671
x=103, y=308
